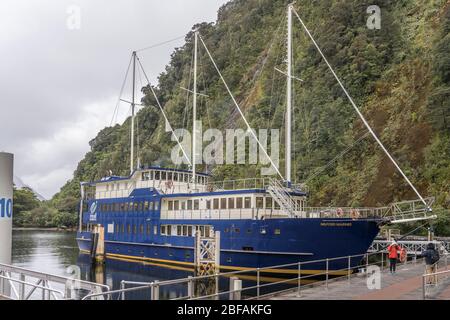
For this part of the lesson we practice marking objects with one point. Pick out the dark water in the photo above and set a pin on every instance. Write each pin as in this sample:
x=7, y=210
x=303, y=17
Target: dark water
x=53, y=252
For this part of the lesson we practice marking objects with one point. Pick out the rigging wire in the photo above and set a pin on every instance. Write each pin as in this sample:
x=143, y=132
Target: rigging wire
x=361, y=116
x=239, y=109
x=161, y=43
x=116, y=110
x=163, y=113
x=322, y=169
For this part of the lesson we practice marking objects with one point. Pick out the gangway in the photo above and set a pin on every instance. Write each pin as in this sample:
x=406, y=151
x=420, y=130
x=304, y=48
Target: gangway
x=413, y=247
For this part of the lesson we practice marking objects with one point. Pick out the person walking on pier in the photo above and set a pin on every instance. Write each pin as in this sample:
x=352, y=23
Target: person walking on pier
x=393, y=250
x=431, y=256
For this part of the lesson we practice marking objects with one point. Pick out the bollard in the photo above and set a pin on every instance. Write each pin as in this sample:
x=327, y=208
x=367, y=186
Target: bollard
x=6, y=213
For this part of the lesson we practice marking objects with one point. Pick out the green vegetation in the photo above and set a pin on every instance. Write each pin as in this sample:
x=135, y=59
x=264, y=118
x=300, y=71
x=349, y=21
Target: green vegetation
x=30, y=212
x=399, y=76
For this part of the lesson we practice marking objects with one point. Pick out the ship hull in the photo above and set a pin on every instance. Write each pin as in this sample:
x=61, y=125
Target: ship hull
x=249, y=244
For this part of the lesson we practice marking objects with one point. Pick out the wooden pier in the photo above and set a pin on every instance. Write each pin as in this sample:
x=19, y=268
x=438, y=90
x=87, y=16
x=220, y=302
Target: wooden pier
x=405, y=284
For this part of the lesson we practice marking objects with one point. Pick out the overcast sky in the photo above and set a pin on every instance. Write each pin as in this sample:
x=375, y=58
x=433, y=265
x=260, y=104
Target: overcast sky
x=59, y=84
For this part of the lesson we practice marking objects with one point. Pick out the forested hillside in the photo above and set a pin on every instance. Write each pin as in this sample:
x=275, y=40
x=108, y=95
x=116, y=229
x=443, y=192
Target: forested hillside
x=398, y=75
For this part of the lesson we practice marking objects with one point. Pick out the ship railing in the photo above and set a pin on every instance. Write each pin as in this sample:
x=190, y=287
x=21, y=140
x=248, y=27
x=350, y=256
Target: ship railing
x=434, y=282
x=273, y=213
x=263, y=282
x=18, y=283
x=252, y=183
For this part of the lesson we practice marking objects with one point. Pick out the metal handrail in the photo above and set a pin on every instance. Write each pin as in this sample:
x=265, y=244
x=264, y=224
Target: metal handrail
x=158, y=284
x=34, y=285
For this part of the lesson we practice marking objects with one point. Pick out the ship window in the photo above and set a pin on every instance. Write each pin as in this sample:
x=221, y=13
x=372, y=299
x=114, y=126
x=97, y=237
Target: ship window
x=163, y=175
x=117, y=228
x=259, y=202
x=215, y=203
x=170, y=205
x=176, y=205
x=268, y=203
x=223, y=203
x=163, y=230
x=277, y=231
x=148, y=229
x=248, y=202
x=129, y=228
x=196, y=204
x=151, y=205
x=136, y=206
x=178, y=230
x=227, y=230
x=183, y=205
x=122, y=227
x=156, y=205
x=175, y=176
x=190, y=231
x=237, y=230
x=207, y=231
x=134, y=229
x=186, y=178
x=146, y=206
x=247, y=248
x=185, y=231
x=141, y=229
x=276, y=205
x=249, y=230
x=169, y=176
x=239, y=203
x=189, y=204
x=169, y=230
x=208, y=204
x=157, y=175
x=155, y=229
x=122, y=206
x=230, y=203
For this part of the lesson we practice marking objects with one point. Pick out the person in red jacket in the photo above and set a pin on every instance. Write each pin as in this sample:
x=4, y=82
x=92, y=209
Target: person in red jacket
x=393, y=250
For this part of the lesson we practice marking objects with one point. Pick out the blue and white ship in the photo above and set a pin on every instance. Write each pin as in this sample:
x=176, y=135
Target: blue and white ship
x=154, y=214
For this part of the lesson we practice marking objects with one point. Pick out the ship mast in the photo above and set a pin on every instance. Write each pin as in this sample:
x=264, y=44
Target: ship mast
x=288, y=124
x=133, y=114
x=194, y=112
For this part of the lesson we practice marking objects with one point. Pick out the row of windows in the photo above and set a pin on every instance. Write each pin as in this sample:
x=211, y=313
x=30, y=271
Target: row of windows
x=226, y=203
x=140, y=206
x=184, y=230
x=176, y=230
x=172, y=176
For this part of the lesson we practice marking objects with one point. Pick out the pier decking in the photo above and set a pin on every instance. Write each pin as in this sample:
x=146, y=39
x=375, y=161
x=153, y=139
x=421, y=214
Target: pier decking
x=405, y=284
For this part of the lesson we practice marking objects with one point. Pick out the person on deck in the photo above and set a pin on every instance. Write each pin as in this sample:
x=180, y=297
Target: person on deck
x=393, y=250
x=431, y=256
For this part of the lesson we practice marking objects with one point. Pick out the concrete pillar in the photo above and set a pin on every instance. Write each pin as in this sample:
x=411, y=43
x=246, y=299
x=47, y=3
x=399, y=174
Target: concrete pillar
x=6, y=213
x=6, y=206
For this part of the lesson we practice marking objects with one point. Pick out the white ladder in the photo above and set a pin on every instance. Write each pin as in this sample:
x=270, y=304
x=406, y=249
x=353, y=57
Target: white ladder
x=281, y=196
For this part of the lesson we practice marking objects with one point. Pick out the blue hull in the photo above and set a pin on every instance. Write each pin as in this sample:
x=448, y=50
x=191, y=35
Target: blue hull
x=244, y=246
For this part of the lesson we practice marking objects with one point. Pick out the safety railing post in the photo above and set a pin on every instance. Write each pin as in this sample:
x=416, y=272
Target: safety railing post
x=382, y=261
x=424, y=295
x=22, y=287
x=299, y=283
x=349, y=268
x=326, y=279
x=257, y=282
x=155, y=290
x=190, y=287
x=122, y=287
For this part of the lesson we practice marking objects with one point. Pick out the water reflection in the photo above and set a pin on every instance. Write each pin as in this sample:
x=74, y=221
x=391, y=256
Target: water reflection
x=52, y=252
